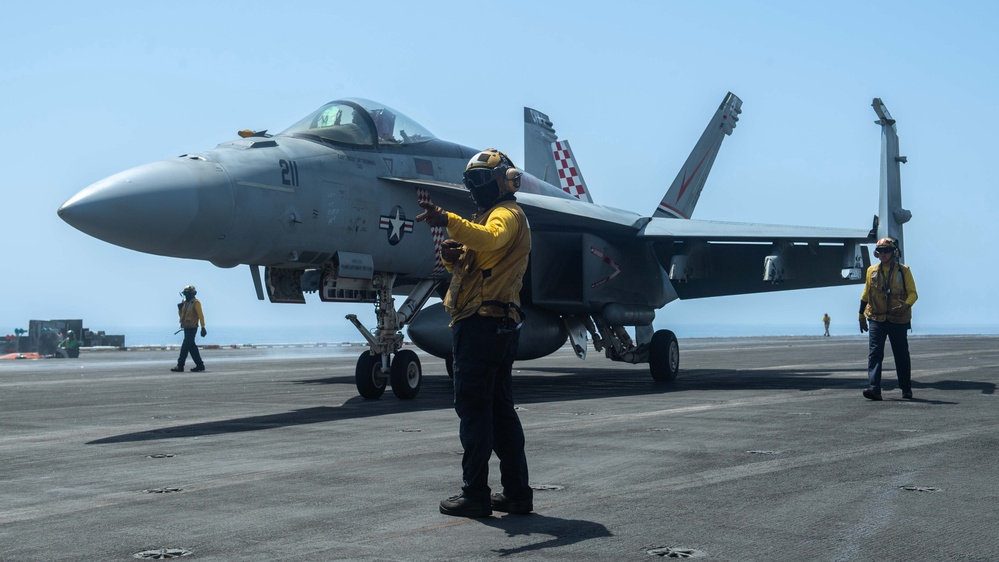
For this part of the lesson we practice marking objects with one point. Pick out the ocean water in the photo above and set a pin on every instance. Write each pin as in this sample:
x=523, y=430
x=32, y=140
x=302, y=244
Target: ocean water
x=341, y=331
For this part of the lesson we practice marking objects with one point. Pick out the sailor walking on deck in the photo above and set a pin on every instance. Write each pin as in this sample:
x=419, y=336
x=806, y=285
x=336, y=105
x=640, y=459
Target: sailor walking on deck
x=191, y=315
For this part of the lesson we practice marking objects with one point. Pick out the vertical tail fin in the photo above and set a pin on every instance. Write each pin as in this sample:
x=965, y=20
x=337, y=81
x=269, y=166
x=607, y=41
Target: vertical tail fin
x=569, y=176
x=891, y=215
x=683, y=193
x=548, y=158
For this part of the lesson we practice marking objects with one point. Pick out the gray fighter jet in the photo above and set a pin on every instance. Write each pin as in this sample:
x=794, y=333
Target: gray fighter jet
x=328, y=206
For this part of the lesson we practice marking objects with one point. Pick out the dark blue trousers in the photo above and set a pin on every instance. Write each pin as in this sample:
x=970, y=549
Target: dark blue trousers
x=189, y=347
x=483, y=399
x=896, y=334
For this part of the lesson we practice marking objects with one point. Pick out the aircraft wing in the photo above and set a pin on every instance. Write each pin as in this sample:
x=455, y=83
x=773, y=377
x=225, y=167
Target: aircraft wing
x=568, y=214
x=703, y=258
x=713, y=258
x=659, y=228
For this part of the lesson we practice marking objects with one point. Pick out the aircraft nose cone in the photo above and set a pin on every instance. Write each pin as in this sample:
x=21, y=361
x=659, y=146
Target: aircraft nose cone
x=180, y=208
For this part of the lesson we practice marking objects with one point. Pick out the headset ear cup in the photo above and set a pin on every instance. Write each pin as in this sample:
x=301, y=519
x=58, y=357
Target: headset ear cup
x=512, y=177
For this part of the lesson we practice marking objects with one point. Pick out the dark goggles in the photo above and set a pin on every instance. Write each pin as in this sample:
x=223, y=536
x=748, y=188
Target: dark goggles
x=478, y=177
x=884, y=251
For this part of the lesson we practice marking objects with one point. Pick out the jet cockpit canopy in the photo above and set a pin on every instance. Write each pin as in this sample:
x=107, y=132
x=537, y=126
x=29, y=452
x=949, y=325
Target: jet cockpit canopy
x=359, y=122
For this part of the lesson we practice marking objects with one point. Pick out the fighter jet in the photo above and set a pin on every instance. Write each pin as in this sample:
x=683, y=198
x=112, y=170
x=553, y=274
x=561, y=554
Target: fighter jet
x=328, y=206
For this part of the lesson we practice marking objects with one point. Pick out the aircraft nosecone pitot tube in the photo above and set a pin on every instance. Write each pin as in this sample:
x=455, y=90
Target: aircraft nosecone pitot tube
x=182, y=208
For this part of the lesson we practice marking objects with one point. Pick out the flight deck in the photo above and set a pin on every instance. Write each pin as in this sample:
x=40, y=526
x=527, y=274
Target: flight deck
x=762, y=449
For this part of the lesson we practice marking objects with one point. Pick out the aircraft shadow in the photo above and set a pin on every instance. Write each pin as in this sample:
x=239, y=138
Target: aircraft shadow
x=584, y=383
x=330, y=380
x=731, y=379
x=353, y=408
x=587, y=380
x=563, y=532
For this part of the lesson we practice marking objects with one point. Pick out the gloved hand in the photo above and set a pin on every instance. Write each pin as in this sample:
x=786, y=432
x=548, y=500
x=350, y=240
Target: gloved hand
x=863, y=325
x=204, y=332
x=180, y=305
x=433, y=215
x=451, y=250
x=900, y=309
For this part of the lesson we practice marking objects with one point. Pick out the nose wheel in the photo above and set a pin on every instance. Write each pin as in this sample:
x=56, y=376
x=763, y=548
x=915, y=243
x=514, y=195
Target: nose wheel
x=368, y=376
x=405, y=375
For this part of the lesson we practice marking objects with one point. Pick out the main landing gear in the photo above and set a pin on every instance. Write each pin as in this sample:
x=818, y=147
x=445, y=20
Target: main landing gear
x=377, y=366
x=660, y=349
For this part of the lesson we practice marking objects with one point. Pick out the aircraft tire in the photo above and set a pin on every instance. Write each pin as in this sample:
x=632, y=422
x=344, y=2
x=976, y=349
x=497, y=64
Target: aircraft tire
x=368, y=376
x=664, y=356
x=407, y=374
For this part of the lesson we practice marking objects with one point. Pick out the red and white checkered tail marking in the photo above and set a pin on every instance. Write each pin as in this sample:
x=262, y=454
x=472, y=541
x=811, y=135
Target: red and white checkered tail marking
x=437, y=233
x=568, y=173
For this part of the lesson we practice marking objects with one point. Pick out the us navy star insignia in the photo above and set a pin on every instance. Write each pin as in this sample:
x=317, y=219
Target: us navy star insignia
x=396, y=224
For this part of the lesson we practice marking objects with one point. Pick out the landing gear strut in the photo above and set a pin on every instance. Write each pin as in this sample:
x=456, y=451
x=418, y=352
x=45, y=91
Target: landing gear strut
x=376, y=366
x=661, y=351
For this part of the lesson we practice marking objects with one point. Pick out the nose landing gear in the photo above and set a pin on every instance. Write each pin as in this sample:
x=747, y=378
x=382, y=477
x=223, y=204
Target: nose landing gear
x=377, y=366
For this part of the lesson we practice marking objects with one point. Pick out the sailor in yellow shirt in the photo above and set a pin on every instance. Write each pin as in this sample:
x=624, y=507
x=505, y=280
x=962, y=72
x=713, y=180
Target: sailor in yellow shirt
x=886, y=310
x=487, y=258
x=190, y=314
x=826, y=320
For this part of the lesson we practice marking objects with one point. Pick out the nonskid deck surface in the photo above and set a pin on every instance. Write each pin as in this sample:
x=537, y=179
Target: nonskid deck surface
x=763, y=449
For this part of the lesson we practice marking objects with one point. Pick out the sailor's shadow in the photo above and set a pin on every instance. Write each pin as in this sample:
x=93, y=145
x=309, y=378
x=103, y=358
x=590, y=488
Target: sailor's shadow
x=983, y=387
x=561, y=532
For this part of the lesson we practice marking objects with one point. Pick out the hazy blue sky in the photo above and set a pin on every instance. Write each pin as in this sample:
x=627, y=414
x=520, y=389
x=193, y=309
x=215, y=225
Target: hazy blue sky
x=90, y=89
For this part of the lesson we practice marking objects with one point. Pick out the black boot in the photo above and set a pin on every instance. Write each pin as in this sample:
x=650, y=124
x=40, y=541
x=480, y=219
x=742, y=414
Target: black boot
x=500, y=502
x=460, y=506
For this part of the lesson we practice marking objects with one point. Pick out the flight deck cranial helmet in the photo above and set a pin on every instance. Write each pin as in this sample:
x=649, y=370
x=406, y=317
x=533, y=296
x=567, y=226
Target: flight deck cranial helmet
x=887, y=245
x=489, y=176
x=189, y=291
